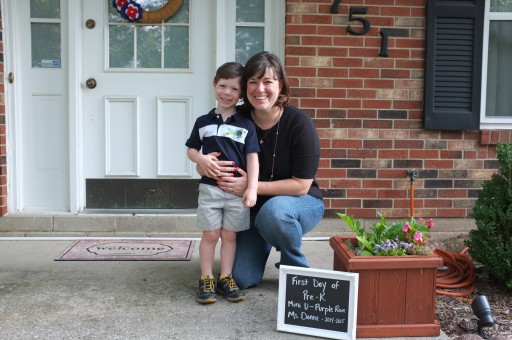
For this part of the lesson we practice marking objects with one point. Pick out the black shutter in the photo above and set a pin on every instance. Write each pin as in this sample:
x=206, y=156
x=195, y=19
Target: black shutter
x=453, y=69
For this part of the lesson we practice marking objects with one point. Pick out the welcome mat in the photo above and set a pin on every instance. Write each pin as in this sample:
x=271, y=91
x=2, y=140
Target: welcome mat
x=128, y=250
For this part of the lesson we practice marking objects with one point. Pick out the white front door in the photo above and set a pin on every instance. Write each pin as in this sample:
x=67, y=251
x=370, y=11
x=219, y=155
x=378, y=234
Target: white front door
x=143, y=87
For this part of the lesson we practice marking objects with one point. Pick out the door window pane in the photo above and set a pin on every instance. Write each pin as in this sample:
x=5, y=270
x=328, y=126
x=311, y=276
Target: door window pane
x=176, y=54
x=48, y=9
x=45, y=41
x=250, y=10
x=121, y=46
x=149, y=47
x=499, y=69
x=249, y=41
x=45, y=37
x=250, y=29
x=153, y=46
x=501, y=5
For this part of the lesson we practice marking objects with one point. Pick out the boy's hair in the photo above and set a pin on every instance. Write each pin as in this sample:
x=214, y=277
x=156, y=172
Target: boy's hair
x=229, y=70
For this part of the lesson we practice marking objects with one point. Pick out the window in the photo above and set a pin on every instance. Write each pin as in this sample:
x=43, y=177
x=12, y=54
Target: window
x=45, y=28
x=155, y=46
x=496, y=108
x=250, y=29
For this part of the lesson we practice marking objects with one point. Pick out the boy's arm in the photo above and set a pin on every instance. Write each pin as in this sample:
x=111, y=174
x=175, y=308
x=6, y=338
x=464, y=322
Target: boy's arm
x=193, y=155
x=253, y=168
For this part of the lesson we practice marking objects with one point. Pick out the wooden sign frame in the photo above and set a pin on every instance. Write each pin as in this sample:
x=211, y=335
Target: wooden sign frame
x=317, y=302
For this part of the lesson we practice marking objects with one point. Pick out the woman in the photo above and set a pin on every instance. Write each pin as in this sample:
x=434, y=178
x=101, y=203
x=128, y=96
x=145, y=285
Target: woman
x=289, y=201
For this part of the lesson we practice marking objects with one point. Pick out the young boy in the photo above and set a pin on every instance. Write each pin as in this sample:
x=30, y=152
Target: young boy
x=222, y=214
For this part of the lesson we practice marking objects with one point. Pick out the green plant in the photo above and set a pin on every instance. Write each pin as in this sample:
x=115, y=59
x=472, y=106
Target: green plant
x=491, y=242
x=398, y=239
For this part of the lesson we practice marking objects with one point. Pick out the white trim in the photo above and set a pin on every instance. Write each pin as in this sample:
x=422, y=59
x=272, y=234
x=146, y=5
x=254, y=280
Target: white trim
x=76, y=177
x=13, y=105
x=224, y=10
x=490, y=123
x=274, y=33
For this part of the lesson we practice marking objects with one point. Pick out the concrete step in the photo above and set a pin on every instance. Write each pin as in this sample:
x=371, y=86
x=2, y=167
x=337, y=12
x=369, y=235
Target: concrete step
x=167, y=223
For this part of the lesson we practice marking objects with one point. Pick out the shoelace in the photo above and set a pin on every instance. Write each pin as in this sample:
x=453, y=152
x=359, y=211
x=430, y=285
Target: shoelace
x=209, y=285
x=232, y=284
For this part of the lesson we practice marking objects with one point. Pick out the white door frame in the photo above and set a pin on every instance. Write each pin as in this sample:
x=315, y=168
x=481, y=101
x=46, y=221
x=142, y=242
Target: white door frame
x=12, y=103
x=76, y=83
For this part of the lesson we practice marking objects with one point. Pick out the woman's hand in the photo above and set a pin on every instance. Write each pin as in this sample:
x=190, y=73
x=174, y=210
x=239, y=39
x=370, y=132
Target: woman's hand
x=234, y=185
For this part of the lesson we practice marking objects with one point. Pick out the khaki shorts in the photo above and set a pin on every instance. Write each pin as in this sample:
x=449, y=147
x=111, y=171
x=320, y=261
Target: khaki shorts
x=218, y=209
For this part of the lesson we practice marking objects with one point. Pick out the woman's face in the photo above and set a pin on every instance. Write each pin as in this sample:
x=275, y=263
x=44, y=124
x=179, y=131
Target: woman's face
x=263, y=92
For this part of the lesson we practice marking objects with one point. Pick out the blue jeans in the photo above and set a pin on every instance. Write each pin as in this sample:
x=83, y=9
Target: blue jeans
x=280, y=223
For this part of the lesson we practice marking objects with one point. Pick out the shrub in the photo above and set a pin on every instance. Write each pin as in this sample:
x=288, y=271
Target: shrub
x=491, y=242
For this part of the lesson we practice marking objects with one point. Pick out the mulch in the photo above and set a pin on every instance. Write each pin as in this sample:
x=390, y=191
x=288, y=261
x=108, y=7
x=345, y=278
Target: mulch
x=455, y=314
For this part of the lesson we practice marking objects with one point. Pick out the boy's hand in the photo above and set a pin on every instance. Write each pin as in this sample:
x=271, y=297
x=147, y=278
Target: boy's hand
x=209, y=165
x=249, y=198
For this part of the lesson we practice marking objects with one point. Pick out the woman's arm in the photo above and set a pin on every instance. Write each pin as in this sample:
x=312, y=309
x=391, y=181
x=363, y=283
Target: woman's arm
x=291, y=187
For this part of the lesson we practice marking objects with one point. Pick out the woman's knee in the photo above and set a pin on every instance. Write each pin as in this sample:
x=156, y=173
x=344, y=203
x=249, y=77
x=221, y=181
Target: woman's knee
x=273, y=212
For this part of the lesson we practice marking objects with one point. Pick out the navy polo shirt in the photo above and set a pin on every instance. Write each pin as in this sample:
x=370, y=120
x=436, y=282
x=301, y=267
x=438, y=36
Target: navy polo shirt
x=233, y=138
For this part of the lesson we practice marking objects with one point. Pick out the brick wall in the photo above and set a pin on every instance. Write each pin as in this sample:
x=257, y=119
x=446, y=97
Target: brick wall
x=369, y=113
x=3, y=165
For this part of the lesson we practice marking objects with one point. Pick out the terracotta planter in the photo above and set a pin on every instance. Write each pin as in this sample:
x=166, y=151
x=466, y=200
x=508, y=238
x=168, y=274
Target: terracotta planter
x=397, y=294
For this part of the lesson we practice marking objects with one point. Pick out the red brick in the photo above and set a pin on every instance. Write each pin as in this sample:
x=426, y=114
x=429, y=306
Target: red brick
x=332, y=173
x=347, y=143
x=362, y=193
x=438, y=164
x=376, y=183
x=346, y=183
x=452, y=193
x=392, y=193
x=346, y=203
x=394, y=154
x=424, y=154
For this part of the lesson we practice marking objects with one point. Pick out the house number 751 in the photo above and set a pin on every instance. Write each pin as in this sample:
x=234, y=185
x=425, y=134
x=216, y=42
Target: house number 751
x=354, y=15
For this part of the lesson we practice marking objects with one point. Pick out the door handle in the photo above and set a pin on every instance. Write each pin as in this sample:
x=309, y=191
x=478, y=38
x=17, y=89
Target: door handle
x=11, y=77
x=91, y=83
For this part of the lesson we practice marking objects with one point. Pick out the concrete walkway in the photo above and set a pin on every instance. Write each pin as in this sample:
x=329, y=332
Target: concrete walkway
x=45, y=299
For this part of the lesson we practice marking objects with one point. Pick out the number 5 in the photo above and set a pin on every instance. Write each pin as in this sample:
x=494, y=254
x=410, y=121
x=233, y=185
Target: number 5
x=363, y=21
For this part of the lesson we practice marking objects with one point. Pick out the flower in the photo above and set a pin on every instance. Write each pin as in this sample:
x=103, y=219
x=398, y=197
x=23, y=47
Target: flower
x=398, y=239
x=128, y=9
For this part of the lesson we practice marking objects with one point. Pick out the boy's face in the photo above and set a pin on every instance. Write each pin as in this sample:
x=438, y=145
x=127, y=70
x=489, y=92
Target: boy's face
x=227, y=93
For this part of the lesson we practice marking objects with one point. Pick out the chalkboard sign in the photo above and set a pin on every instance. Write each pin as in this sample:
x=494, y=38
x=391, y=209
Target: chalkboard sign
x=317, y=302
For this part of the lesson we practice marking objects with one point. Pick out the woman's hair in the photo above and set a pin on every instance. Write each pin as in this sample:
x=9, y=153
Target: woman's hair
x=229, y=70
x=256, y=66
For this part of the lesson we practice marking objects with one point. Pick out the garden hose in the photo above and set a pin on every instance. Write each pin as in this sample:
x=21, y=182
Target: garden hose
x=459, y=277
